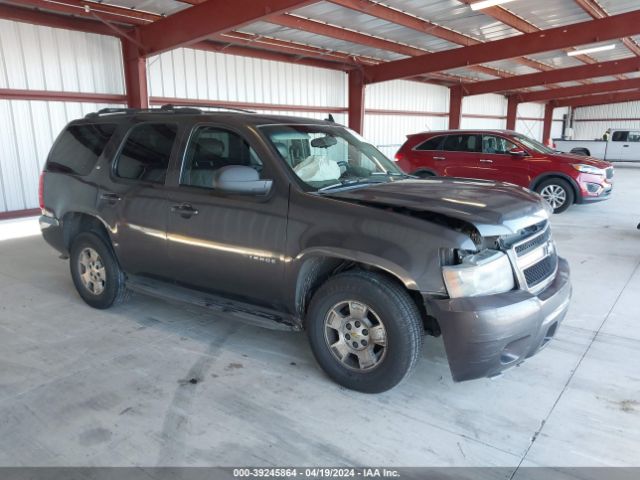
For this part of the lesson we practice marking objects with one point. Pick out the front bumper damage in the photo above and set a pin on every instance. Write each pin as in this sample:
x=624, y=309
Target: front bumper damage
x=485, y=335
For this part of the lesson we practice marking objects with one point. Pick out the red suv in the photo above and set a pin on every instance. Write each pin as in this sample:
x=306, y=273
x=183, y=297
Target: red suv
x=562, y=179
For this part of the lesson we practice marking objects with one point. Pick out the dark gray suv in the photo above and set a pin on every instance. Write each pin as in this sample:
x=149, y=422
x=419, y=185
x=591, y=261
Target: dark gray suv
x=300, y=224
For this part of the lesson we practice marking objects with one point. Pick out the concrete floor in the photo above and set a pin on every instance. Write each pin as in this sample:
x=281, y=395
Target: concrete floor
x=86, y=387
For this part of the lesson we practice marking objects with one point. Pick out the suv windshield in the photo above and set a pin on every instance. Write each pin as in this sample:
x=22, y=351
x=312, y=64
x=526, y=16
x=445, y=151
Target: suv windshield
x=533, y=144
x=327, y=156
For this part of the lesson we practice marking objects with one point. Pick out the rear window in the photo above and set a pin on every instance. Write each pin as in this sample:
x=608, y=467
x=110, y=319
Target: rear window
x=146, y=152
x=463, y=143
x=431, y=144
x=78, y=148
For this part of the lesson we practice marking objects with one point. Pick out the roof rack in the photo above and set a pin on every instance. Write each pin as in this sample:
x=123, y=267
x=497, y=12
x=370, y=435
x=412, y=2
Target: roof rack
x=168, y=108
x=172, y=106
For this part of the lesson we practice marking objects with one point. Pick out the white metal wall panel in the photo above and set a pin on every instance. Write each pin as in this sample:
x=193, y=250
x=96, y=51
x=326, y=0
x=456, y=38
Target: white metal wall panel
x=43, y=58
x=195, y=74
x=389, y=132
x=409, y=96
x=489, y=104
x=619, y=115
x=29, y=129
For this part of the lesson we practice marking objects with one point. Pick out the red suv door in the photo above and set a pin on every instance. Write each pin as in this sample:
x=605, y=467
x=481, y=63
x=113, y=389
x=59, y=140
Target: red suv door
x=499, y=162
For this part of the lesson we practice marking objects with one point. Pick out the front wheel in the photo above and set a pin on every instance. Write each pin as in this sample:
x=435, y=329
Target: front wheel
x=95, y=271
x=365, y=331
x=558, y=194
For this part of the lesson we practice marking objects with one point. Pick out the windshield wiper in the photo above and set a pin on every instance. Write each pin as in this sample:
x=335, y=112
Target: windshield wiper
x=351, y=182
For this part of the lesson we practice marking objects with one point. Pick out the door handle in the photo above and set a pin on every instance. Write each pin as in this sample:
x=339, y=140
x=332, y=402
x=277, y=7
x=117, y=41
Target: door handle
x=110, y=197
x=439, y=158
x=185, y=210
x=485, y=160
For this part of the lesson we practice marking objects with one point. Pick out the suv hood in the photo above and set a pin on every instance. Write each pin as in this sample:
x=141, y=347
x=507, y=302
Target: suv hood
x=493, y=208
x=572, y=158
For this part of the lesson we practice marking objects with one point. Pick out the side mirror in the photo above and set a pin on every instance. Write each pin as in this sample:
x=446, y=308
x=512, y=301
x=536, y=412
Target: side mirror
x=240, y=179
x=517, y=152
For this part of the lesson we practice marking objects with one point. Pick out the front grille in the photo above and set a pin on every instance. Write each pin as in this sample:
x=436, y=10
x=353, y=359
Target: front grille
x=534, y=260
x=527, y=246
x=609, y=173
x=539, y=272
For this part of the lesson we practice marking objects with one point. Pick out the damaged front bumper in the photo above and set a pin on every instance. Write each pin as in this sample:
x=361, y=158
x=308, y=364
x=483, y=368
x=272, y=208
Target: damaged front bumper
x=485, y=335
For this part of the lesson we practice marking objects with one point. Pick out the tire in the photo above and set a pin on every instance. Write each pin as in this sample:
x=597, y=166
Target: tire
x=556, y=190
x=581, y=151
x=339, y=301
x=102, y=283
x=424, y=174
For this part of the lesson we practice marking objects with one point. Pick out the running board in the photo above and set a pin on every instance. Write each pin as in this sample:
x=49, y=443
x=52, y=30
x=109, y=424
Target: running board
x=246, y=313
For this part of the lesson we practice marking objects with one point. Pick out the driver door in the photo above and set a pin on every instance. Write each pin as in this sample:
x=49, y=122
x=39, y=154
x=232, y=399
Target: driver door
x=497, y=163
x=226, y=243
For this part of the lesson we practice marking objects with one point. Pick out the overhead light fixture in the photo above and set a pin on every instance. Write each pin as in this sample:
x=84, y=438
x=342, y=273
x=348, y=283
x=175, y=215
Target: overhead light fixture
x=584, y=51
x=487, y=4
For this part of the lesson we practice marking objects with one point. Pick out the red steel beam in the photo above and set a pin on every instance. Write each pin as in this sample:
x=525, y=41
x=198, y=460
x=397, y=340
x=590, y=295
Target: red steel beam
x=423, y=26
x=594, y=88
x=554, y=76
x=601, y=99
x=356, y=100
x=27, y=15
x=208, y=18
x=455, y=107
x=107, y=12
x=55, y=96
x=135, y=75
x=518, y=23
x=583, y=33
x=593, y=8
x=512, y=112
x=547, y=123
x=319, y=28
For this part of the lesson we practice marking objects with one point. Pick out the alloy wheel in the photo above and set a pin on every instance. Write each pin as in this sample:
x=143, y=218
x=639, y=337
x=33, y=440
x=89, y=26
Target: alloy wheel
x=92, y=272
x=555, y=195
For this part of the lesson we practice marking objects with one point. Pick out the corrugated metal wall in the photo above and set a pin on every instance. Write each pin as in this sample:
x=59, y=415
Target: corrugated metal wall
x=619, y=115
x=490, y=105
x=196, y=74
x=43, y=58
x=388, y=132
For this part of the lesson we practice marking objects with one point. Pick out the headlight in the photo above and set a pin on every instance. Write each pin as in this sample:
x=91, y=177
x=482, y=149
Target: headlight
x=484, y=273
x=587, y=169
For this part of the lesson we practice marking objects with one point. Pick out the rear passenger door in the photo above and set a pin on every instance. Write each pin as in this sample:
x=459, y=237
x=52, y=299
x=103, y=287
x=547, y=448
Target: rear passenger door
x=226, y=243
x=460, y=155
x=618, y=145
x=134, y=203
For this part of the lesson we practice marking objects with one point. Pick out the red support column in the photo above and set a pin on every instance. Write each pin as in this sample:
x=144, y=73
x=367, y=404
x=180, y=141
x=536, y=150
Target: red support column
x=512, y=112
x=135, y=75
x=548, y=120
x=455, y=107
x=356, y=100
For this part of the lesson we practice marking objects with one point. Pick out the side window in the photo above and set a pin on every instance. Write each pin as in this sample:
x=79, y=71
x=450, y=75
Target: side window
x=211, y=148
x=634, y=136
x=79, y=147
x=146, y=152
x=462, y=143
x=620, y=136
x=497, y=145
x=431, y=144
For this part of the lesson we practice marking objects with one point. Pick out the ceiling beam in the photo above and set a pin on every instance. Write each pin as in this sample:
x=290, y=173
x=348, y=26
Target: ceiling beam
x=340, y=33
x=593, y=8
x=581, y=90
x=560, y=75
x=196, y=23
x=529, y=43
x=602, y=99
x=518, y=23
x=28, y=15
x=92, y=10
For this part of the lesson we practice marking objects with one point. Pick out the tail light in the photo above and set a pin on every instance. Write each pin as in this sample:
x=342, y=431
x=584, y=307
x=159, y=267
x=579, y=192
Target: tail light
x=41, y=191
x=398, y=157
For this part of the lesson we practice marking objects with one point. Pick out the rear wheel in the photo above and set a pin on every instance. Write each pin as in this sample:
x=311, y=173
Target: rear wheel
x=365, y=331
x=557, y=192
x=95, y=271
x=424, y=174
